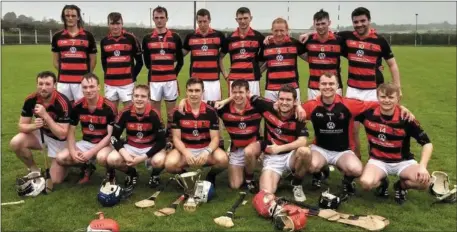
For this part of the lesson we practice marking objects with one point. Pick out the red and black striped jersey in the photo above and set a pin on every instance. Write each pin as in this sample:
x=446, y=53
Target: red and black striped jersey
x=59, y=108
x=323, y=56
x=281, y=61
x=389, y=136
x=333, y=124
x=363, y=55
x=142, y=129
x=205, y=54
x=278, y=129
x=117, y=53
x=243, y=127
x=94, y=123
x=161, y=51
x=195, y=129
x=244, y=54
x=74, y=53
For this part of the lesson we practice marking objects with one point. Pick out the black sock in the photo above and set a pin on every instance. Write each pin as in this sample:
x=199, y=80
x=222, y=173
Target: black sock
x=156, y=171
x=348, y=179
x=130, y=171
x=249, y=177
x=214, y=172
x=297, y=180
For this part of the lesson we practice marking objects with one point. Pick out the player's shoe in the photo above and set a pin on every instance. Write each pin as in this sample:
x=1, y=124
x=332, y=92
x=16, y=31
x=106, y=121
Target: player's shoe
x=154, y=181
x=131, y=178
x=383, y=189
x=86, y=172
x=320, y=176
x=110, y=175
x=400, y=194
x=252, y=186
x=349, y=187
x=299, y=195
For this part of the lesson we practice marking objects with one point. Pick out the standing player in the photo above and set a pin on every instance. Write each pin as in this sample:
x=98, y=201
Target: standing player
x=52, y=115
x=121, y=61
x=389, y=147
x=280, y=57
x=162, y=49
x=244, y=45
x=74, y=53
x=145, y=140
x=196, y=135
x=206, y=62
x=97, y=115
x=285, y=143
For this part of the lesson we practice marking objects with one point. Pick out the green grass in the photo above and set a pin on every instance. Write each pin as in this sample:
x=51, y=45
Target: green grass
x=429, y=88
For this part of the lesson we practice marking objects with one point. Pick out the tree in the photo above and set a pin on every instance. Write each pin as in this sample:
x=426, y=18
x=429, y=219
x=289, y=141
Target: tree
x=10, y=16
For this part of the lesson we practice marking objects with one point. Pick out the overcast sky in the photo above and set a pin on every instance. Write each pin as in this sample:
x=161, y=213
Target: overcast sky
x=300, y=13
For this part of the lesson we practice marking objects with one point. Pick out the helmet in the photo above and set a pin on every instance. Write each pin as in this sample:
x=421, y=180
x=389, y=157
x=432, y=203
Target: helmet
x=103, y=224
x=439, y=187
x=329, y=201
x=109, y=194
x=265, y=204
x=204, y=191
x=30, y=185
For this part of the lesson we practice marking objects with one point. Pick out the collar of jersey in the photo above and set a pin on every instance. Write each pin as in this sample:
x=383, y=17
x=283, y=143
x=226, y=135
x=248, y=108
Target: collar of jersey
x=39, y=100
x=246, y=107
x=155, y=33
x=237, y=33
x=188, y=108
x=331, y=36
x=337, y=99
x=396, y=115
x=147, y=109
x=198, y=32
x=110, y=36
x=80, y=32
x=371, y=34
x=99, y=102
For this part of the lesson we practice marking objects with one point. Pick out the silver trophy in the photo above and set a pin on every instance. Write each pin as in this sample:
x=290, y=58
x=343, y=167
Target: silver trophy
x=188, y=181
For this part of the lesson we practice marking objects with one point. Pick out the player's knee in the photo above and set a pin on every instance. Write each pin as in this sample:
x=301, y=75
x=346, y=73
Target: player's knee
x=303, y=153
x=249, y=153
x=366, y=183
x=16, y=143
x=354, y=170
x=235, y=184
x=114, y=160
x=314, y=166
x=158, y=162
x=102, y=159
x=62, y=158
x=171, y=165
x=221, y=159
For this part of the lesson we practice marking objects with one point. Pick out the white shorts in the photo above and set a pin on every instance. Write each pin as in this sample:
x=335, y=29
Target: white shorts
x=54, y=146
x=237, y=157
x=212, y=91
x=196, y=151
x=392, y=168
x=72, y=91
x=273, y=95
x=331, y=156
x=254, y=87
x=277, y=163
x=139, y=152
x=122, y=93
x=84, y=145
x=362, y=94
x=313, y=93
x=167, y=90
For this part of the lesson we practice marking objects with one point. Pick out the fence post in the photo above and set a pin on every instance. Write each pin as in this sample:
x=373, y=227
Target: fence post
x=50, y=36
x=36, y=38
x=390, y=39
x=449, y=39
x=3, y=36
x=421, y=39
x=20, y=36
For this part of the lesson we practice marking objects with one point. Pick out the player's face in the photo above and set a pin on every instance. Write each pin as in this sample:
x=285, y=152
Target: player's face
x=361, y=24
x=71, y=17
x=194, y=93
x=90, y=88
x=140, y=98
x=387, y=102
x=279, y=31
x=160, y=19
x=45, y=87
x=322, y=26
x=286, y=102
x=244, y=20
x=115, y=28
x=239, y=95
x=203, y=23
x=328, y=86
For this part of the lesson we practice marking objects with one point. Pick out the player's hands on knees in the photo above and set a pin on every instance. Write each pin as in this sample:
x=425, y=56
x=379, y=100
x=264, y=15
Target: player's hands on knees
x=272, y=149
x=202, y=158
x=80, y=157
x=181, y=106
x=39, y=122
x=422, y=175
x=191, y=160
x=406, y=114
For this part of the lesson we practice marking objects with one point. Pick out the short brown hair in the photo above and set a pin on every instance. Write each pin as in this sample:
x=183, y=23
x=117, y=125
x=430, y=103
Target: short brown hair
x=288, y=89
x=203, y=12
x=280, y=20
x=45, y=74
x=240, y=83
x=89, y=76
x=193, y=81
x=330, y=74
x=160, y=9
x=388, y=89
x=115, y=17
x=143, y=87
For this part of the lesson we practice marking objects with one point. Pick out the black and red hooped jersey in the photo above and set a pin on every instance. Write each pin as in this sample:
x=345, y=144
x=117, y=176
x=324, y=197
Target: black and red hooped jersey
x=118, y=53
x=195, y=129
x=243, y=127
x=161, y=51
x=278, y=129
x=205, y=54
x=74, y=54
x=333, y=124
x=142, y=129
x=281, y=63
x=323, y=56
x=389, y=136
x=244, y=54
x=363, y=55
x=94, y=124
x=59, y=109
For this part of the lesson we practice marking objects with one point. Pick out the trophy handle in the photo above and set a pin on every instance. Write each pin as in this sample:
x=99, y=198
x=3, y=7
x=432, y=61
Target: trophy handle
x=181, y=183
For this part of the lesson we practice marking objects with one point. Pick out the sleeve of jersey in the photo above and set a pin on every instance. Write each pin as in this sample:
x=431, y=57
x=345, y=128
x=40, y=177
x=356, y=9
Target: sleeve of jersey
x=146, y=53
x=309, y=107
x=360, y=117
x=65, y=112
x=103, y=55
x=92, y=44
x=186, y=45
x=176, y=118
x=137, y=53
x=214, y=120
x=159, y=132
x=179, y=55
x=357, y=107
x=27, y=108
x=302, y=130
x=416, y=131
x=118, y=128
x=387, y=53
x=54, y=46
x=111, y=119
x=225, y=45
x=74, y=116
x=300, y=47
x=261, y=104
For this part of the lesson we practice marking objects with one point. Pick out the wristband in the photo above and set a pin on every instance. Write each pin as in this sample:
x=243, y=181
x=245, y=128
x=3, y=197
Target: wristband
x=209, y=150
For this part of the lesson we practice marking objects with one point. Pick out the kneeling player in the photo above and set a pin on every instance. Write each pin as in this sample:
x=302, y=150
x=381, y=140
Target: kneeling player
x=196, y=135
x=52, y=116
x=389, y=142
x=285, y=146
x=97, y=115
x=145, y=139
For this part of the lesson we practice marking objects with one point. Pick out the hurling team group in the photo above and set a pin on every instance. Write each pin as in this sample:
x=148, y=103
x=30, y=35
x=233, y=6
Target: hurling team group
x=191, y=134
